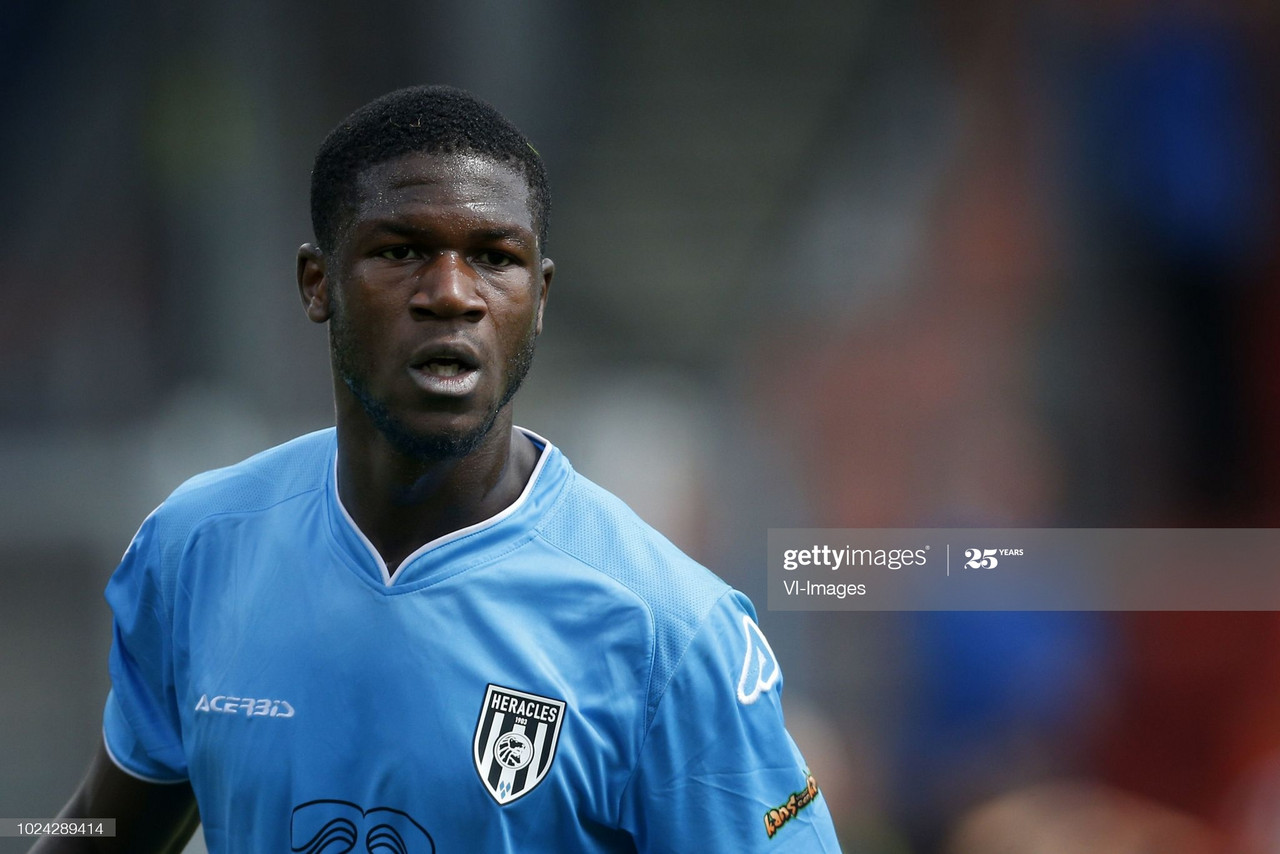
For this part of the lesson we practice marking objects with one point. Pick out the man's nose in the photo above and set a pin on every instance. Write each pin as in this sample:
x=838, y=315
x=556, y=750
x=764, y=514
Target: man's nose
x=447, y=288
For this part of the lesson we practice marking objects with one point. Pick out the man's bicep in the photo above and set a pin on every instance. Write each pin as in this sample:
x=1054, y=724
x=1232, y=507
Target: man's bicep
x=141, y=720
x=153, y=818
x=718, y=770
x=138, y=775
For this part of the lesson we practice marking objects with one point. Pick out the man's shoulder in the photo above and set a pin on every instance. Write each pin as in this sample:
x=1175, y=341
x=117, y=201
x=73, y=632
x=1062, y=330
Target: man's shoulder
x=598, y=529
x=679, y=596
x=259, y=482
x=262, y=481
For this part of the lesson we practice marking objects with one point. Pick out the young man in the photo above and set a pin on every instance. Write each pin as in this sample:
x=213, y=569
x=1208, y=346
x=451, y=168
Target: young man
x=422, y=629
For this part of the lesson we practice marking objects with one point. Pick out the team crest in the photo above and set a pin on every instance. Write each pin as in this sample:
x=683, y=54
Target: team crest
x=515, y=741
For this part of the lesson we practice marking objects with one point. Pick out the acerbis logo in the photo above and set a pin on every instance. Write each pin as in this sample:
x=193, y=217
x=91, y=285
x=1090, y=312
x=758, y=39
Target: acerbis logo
x=760, y=668
x=249, y=706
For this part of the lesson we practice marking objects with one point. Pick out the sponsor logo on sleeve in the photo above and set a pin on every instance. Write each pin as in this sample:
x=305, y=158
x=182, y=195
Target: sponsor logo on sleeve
x=775, y=818
x=760, y=669
x=515, y=741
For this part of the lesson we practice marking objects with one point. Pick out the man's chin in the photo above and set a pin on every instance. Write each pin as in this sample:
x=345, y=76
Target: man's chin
x=431, y=447
x=425, y=442
x=436, y=442
x=433, y=443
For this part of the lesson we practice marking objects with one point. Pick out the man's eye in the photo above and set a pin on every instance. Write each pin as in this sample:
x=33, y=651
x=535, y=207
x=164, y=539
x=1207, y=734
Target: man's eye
x=398, y=253
x=493, y=258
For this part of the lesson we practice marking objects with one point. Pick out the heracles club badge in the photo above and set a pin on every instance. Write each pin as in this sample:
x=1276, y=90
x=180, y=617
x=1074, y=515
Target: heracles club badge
x=515, y=741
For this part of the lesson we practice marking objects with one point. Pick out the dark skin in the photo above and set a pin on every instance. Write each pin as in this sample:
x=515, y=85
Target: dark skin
x=440, y=258
x=434, y=293
x=150, y=817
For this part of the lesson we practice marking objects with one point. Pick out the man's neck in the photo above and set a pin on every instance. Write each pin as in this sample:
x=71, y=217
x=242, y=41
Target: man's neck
x=401, y=503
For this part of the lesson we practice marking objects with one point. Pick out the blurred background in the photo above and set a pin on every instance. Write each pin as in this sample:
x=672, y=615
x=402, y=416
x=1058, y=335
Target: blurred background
x=855, y=263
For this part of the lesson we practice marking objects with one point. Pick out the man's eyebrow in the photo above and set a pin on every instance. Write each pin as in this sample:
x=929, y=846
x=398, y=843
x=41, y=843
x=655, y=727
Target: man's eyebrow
x=397, y=227
x=521, y=237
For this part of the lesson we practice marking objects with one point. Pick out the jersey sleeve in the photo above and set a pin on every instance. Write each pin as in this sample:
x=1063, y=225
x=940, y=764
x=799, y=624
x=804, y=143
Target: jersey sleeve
x=141, y=723
x=718, y=771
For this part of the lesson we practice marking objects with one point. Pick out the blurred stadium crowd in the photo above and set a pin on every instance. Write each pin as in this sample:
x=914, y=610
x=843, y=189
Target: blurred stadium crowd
x=845, y=264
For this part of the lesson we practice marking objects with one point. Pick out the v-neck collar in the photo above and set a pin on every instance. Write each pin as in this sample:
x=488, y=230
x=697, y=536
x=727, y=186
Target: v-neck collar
x=451, y=553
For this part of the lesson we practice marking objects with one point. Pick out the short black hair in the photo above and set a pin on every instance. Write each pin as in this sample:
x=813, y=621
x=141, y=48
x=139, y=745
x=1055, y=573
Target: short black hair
x=428, y=119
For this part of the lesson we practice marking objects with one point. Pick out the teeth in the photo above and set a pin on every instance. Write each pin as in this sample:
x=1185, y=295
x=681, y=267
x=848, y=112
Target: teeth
x=445, y=369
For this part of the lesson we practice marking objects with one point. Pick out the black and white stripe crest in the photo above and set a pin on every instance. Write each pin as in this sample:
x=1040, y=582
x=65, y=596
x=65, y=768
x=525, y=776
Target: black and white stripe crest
x=515, y=743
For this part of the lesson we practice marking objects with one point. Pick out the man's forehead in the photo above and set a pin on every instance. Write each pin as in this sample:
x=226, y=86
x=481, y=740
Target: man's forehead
x=461, y=179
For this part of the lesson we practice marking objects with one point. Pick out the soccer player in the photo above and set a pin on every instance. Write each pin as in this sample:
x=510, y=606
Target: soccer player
x=422, y=630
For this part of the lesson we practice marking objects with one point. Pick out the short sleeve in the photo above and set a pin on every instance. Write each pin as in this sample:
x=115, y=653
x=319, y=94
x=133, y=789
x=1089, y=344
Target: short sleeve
x=718, y=771
x=141, y=723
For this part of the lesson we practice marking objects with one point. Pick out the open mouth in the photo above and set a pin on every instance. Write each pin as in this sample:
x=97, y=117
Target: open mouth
x=447, y=373
x=444, y=367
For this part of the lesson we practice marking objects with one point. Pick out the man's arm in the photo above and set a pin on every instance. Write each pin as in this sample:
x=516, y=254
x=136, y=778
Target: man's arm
x=718, y=773
x=152, y=818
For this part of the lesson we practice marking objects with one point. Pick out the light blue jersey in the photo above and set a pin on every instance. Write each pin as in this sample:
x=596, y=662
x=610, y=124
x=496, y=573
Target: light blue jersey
x=558, y=678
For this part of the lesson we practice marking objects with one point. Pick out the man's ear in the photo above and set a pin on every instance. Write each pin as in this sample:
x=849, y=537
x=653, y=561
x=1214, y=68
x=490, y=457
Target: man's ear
x=313, y=283
x=548, y=270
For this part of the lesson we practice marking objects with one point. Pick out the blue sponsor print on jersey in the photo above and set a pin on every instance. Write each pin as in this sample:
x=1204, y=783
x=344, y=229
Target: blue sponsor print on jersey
x=336, y=827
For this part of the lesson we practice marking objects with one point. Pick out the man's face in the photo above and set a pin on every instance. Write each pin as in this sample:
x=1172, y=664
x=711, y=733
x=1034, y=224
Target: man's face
x=434, y=293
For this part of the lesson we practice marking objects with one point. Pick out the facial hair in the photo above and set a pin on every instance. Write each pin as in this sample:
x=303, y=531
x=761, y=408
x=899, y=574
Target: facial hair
x=347, y=364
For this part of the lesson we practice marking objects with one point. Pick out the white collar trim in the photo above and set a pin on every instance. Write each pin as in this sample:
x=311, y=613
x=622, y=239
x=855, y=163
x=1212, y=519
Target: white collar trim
x=387, y=576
